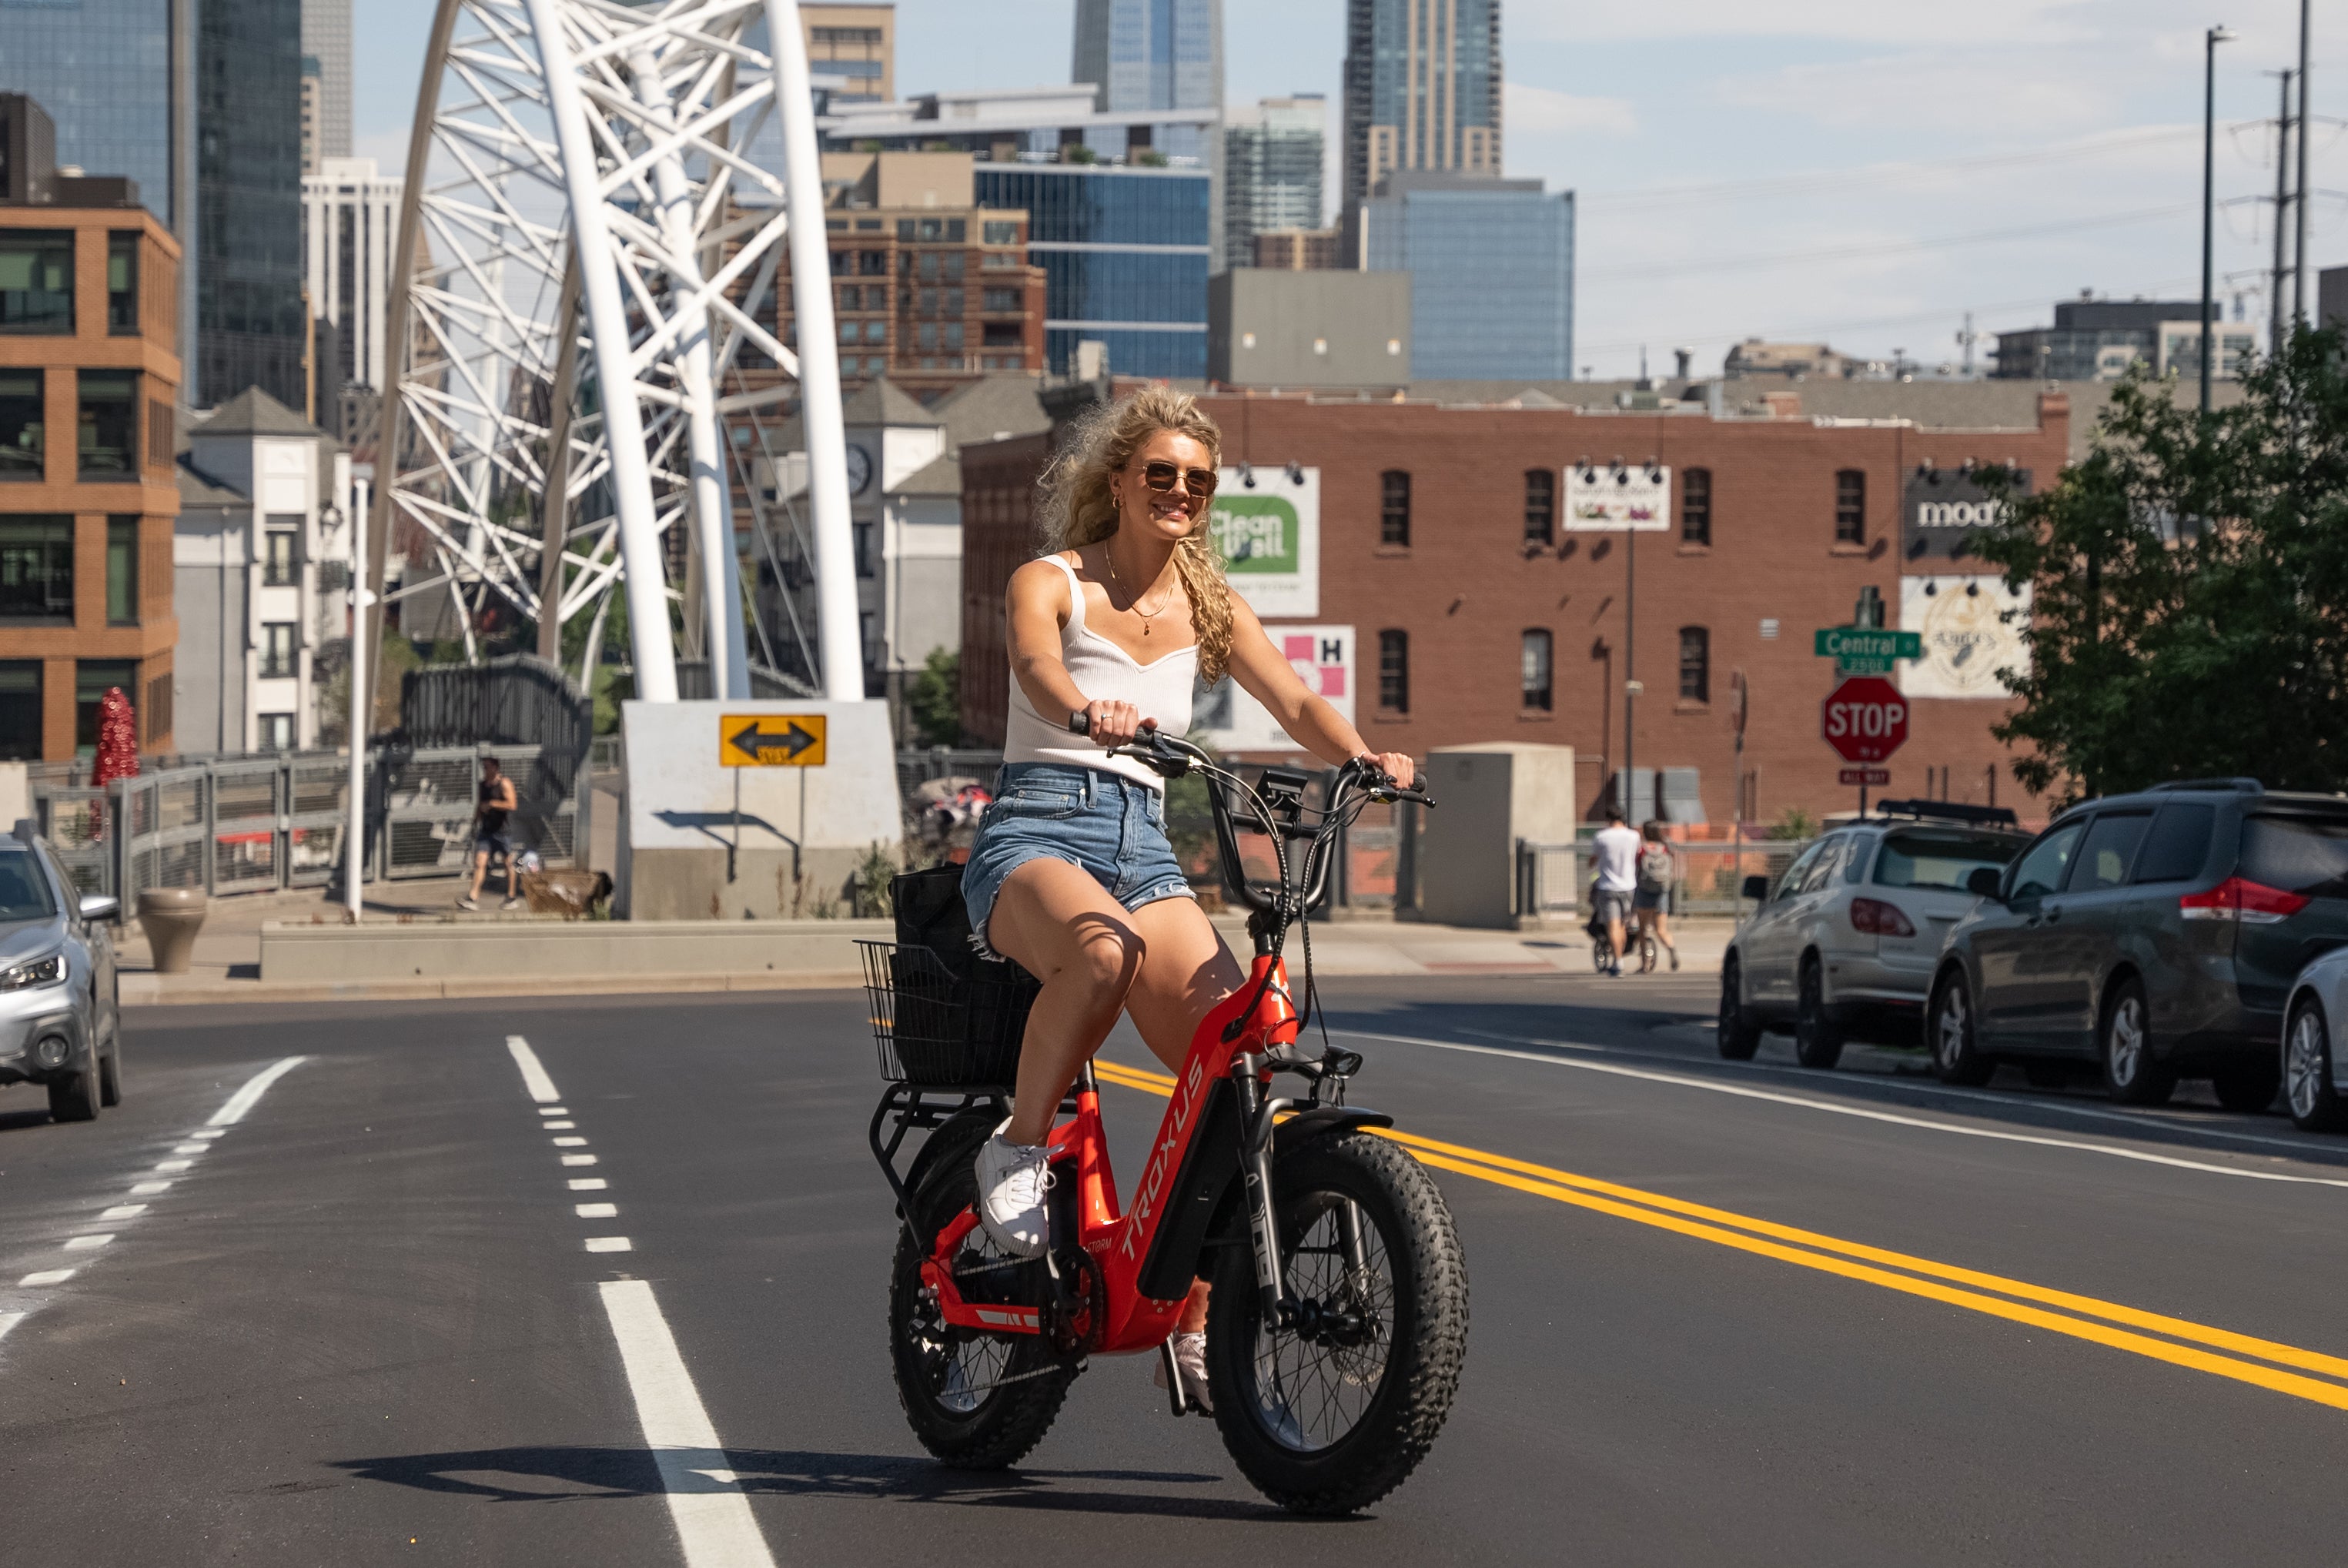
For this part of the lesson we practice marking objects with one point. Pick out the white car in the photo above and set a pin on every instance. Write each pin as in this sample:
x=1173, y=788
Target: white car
x=1846, y=944
x=2315, y=1039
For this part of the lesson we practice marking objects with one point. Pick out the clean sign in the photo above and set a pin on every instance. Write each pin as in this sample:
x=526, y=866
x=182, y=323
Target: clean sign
x=1266, y=525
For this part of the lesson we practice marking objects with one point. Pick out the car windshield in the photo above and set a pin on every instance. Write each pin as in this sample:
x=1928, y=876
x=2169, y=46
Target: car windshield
x=24, y=890
x=1940, y=859
x=2298, y=855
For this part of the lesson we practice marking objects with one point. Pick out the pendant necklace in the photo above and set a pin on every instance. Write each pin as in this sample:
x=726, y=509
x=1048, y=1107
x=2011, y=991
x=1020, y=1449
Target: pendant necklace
x=1134, y=602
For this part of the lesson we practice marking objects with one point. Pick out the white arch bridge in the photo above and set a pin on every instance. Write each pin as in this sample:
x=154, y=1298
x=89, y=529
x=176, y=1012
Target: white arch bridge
x=601, y=197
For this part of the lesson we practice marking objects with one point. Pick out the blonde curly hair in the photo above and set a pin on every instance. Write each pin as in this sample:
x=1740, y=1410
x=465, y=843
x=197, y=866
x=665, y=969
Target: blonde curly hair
x=1079, y=504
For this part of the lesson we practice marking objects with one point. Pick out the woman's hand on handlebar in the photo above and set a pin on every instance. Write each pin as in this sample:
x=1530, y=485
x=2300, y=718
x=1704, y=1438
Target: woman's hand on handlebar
x=1114, y=724
x=1395, y=765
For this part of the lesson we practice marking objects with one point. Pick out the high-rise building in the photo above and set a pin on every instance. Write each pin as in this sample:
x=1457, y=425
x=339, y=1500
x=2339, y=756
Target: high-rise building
x=250, y=330
x=1422, y=90
x=1271, y=171
x=857, y=43
x=325, y=82
x=350, y=220
x=1153, y=54
x=1492, y=266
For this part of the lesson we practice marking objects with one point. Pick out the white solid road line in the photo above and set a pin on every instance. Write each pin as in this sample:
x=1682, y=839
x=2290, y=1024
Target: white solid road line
x=1833, y=1108
x=533, y=1074
x=245, y=1098
x=713, y=1517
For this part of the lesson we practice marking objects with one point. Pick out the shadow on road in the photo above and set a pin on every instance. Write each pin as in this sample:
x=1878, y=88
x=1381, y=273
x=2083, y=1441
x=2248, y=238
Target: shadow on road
x=558, y=1474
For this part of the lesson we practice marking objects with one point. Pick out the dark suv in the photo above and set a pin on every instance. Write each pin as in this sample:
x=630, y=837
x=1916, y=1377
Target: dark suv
x=2155, y=934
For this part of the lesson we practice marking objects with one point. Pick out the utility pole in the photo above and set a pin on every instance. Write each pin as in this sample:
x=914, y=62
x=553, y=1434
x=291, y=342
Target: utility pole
x=2215, y=37
x=2282, y=210
x=2298, y=244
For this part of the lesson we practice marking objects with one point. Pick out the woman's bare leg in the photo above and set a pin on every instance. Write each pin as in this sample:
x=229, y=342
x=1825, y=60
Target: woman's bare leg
x=1060, y=925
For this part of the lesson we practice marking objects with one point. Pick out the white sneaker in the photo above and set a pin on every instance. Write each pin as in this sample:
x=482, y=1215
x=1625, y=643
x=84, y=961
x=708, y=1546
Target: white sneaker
x=514, y=903
x=1012, y=1180
x=468, y=902
x=1190, y=1365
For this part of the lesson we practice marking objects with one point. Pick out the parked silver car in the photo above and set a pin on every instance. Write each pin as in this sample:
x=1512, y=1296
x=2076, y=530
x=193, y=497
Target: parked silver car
x=1845, y=944
x=60, y=1012
x=2314, y=1041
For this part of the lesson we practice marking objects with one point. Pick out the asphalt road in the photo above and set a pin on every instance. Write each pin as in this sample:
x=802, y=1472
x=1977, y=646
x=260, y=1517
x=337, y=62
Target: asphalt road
x=1720, y=1313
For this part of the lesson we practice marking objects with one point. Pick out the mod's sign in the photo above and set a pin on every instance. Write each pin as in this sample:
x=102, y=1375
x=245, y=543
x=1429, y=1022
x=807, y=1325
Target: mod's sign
x=1948, y=508
x=1266, y=524
x=1610, y=499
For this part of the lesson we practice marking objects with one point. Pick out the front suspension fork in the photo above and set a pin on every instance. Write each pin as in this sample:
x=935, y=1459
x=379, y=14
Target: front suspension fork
x=1255, y=1168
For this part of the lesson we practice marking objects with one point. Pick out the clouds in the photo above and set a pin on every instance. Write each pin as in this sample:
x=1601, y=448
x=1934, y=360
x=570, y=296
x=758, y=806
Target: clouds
x=1528, y=109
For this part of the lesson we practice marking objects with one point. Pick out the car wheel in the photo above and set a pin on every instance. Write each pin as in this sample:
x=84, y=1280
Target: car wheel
x=2130, y=1075
x=75, y=1099
x=1948, y=1031
x=1740, y=1036
x=2308, y=1094
x=1817, y=1043
x=109, y=1071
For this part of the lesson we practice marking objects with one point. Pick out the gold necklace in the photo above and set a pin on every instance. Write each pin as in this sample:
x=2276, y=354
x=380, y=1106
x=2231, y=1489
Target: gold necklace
x=1133, y=602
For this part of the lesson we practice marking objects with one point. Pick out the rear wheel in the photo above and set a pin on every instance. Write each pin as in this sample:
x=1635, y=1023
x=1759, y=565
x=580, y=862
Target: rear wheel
x=1329, y=1413
x=1817, y=1043
x=1949, y=1031
x=2314, y=1104
x=2130, y=1075
x=977, y=1402
x=1739, y=1036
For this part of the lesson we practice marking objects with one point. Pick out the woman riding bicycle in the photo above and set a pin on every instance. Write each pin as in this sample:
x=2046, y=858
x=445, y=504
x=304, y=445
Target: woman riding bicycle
x=1072, y=875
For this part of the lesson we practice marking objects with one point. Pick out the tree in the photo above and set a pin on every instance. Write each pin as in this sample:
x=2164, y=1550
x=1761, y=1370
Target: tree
x=933, y=699
x=2189, y=614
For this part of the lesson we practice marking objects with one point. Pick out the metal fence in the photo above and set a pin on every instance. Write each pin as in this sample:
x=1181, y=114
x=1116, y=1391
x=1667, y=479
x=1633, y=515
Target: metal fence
x=262, y=824
x=1554, y=879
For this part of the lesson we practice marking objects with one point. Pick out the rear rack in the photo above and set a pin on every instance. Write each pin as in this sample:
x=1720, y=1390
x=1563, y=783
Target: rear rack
x=1951, y=812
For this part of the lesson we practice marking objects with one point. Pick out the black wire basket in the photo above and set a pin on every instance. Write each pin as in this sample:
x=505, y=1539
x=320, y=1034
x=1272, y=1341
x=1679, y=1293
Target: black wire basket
x=940, y=1029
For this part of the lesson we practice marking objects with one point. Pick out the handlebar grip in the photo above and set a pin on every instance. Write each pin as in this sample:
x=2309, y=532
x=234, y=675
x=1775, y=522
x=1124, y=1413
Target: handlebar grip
x=1080, y=723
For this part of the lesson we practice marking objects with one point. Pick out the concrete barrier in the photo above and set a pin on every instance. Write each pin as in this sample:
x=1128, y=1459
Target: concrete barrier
x=493, y=950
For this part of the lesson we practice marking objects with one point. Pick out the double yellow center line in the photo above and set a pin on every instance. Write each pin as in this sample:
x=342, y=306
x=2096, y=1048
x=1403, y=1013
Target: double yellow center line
x=2179, y=1341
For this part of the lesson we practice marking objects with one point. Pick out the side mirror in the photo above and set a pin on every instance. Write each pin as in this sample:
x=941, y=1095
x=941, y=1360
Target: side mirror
x=1756, y=889
x=1984, y=881
x=100, y=907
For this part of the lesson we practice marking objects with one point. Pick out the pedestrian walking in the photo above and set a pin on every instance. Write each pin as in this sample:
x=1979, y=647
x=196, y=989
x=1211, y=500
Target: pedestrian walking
x=1658, y=873
x=1615, y=851
x=493, y=836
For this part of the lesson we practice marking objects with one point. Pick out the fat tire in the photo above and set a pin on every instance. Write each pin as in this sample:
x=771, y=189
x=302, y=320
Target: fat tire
x=1013, y=1418
x=1739, y=1035
x=1959, y=1063
x=1431, y=1342
x=75, y=1096
x=1817, y=1043
x=2149, y=1082
x=2324, y=1111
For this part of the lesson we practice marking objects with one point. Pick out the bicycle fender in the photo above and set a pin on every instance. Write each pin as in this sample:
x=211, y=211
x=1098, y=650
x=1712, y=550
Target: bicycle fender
x=1320, y=1121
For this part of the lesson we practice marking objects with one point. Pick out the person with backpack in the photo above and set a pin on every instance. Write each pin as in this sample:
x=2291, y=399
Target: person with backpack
x=1658, y=873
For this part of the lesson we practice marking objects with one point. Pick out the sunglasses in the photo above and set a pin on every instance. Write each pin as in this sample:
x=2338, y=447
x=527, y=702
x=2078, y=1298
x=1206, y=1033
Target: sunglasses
x=1198, y=484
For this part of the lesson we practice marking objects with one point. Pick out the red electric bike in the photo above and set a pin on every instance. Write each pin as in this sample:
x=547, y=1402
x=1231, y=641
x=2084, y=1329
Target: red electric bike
x=1338, y=1320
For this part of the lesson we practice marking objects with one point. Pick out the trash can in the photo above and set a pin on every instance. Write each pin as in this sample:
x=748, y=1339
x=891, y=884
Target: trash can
x=170, y=916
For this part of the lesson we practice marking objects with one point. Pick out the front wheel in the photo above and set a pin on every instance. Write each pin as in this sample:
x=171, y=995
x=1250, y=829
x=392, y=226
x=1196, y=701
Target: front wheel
x=1329, y=1412
x=1948, y=1030
x=2315, y=1106
x=2130, y=1075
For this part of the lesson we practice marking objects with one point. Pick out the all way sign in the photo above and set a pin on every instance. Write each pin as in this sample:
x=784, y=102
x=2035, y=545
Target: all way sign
x=770, y=740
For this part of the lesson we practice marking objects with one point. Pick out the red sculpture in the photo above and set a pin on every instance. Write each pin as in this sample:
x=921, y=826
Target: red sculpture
x=117, y=749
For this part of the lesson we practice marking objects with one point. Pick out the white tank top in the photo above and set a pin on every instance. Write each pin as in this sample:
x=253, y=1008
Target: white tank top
x=1104, y=673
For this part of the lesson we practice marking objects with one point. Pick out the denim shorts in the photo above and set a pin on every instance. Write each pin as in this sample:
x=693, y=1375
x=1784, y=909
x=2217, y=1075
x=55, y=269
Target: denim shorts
x=1094, y=819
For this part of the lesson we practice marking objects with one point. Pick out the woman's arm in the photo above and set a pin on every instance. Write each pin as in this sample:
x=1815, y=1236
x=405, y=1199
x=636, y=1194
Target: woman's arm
x=1038, y=606
x=1309, y=719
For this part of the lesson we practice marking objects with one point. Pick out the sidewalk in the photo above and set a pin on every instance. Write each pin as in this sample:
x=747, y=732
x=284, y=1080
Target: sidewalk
x=227, y=967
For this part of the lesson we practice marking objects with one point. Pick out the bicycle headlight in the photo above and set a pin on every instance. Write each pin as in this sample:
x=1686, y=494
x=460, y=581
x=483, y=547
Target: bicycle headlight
x=46, y=970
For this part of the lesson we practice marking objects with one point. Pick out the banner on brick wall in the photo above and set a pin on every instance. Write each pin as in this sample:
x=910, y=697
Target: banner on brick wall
x=1604, y=499
x=1970, y=627
x=1266, y=521
x=1322, y=658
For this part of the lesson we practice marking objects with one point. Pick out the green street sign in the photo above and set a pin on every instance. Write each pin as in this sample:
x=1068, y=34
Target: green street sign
x=1846, y=645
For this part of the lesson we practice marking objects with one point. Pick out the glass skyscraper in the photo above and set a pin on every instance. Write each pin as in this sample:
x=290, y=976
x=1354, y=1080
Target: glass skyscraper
x=1422, y=88
x=1153, y=54
x=1271, y=172
x=248, y=326
x=104, y=70
x=1492, y=268
x=1125, y=253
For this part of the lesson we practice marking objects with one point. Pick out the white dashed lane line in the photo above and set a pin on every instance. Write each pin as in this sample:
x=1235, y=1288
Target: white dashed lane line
x=48, y=1277
x=705, y=1502
x=9, y=1320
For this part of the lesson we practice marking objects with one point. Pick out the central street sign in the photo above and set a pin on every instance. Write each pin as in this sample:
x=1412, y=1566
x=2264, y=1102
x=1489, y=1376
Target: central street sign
x=770, y=740
x=1865, y=720
x=1847, y=644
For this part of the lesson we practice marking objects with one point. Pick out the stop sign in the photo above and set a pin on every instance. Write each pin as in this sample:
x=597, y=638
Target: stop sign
x=1866, y=719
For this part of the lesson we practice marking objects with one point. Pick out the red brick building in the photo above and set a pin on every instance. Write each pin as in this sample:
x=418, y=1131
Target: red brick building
x=1444, y=542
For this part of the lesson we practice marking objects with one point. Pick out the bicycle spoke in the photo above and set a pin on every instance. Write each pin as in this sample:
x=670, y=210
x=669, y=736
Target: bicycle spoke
x=1312, y=1389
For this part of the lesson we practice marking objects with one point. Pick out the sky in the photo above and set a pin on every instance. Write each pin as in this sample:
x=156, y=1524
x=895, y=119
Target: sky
x=1863, y=172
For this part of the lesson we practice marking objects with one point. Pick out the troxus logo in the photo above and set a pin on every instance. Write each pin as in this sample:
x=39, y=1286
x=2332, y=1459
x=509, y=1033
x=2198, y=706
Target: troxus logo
x=1162, y=1159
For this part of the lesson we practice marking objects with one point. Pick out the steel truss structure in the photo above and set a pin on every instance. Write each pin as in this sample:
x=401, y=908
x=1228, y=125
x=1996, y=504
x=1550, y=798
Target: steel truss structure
x=593, y=244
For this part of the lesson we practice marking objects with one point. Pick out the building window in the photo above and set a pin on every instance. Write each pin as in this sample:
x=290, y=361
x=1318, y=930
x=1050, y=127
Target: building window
x=278, y=548
x=1393, y=671
x=122, y=570
x=161, y=432
x=999, y=233
x=1695, y=506
x=1539, y=662
x=20, y=710
x=863, y=539
x=276, y=650
x=122, y=284
x=952, y=334
x=876, y=331
x=276, y=732
x=1541, y=506
x=23, y=426
x=1696, y=665
x=1850, y=507
x=929, y=338
x=1394, y=507
x=110, y=423
x=93, y=678
x=873, y=263
x=36, y=283
x=37, y=570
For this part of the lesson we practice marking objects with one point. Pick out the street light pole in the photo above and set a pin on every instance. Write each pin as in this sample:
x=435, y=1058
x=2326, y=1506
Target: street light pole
x=2215, y=37
x=2299, y=246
